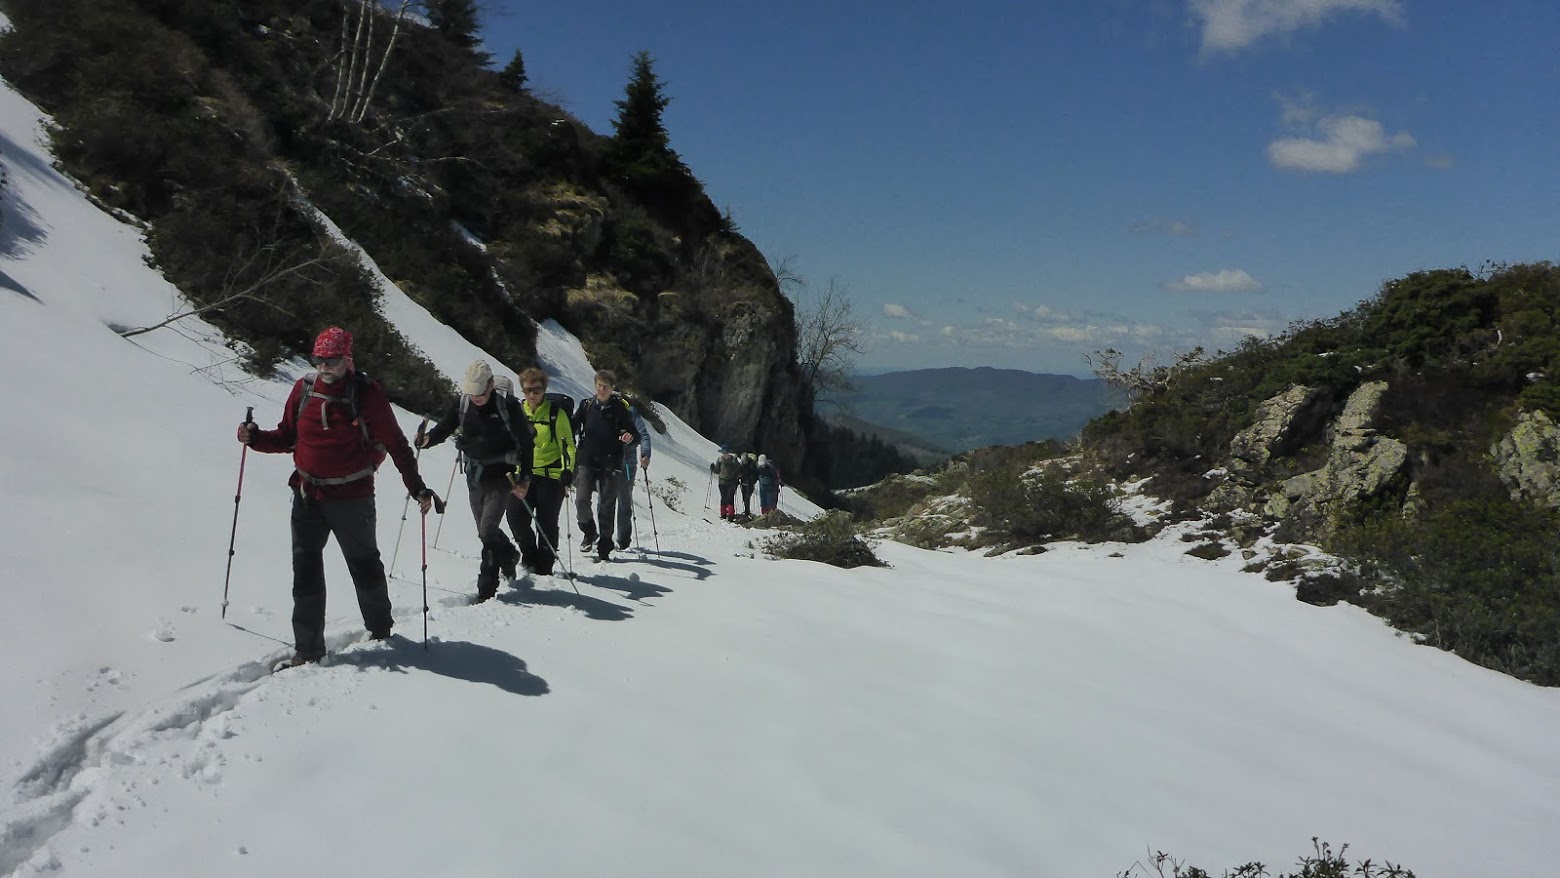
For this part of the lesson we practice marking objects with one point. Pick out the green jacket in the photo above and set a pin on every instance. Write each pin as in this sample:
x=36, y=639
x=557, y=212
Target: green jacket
x=553, y=452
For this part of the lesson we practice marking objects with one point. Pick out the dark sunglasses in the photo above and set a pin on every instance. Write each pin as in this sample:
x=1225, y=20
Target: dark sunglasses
x=530, y=390
x=329, y=362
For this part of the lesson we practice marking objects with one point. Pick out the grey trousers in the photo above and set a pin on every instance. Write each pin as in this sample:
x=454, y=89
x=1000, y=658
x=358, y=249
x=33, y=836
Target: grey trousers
x=489, y=502
x=606, y=481
x=352, y=522
x=625, y=501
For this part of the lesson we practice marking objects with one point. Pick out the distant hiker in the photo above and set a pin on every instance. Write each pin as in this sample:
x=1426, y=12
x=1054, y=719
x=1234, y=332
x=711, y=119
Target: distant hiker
x=728, y=472
x=748, y=477
x=339, y=426
x=602, y=426
x=502, y=384
x=552, y=471
x=625, y=501
x=495, y=440
x=768, y=485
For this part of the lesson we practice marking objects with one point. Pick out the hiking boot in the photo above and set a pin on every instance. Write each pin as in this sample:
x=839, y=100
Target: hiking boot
x=603, y=554
x=587, y=544
x=622, y=544
x=379, y=634
x=297, y=660
x=486, y=590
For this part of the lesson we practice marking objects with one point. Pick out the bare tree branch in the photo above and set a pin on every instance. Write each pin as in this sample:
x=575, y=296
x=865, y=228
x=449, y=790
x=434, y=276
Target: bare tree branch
x=250, y=293
x=828, y=338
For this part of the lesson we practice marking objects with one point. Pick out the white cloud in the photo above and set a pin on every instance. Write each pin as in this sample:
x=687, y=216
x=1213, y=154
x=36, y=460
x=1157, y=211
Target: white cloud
x=1340, y=145
x=897, y=312
x=1229, y=280
x=1232, y=25
x=903, y=337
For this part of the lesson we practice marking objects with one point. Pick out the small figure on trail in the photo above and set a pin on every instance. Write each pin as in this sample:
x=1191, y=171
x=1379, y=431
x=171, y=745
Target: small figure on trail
x=625, y=503
x=768, y=485
x=728, y=472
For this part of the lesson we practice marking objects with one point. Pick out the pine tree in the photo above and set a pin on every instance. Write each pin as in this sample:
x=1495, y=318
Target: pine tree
x=456, y=20
x=639, y=135
x=513, y=76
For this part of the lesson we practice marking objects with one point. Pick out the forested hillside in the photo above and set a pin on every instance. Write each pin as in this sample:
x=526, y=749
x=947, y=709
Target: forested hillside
x=222, y=128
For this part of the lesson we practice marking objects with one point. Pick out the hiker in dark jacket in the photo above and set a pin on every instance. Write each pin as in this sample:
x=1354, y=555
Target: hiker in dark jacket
x=768, y=485
x=338, y=425
x=552, y=471
x=748, y=476
x=602, y=427
x=728, y=473
x=495, y=440
x=631, y=466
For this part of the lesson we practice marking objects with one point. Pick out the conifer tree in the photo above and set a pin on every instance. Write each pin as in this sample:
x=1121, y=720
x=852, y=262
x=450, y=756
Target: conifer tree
x=456, y=20
x=513, y=75
x=640, y=142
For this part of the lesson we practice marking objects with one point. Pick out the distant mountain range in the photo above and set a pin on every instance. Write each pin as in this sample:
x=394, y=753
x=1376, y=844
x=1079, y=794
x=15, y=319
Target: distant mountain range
x=957, y=409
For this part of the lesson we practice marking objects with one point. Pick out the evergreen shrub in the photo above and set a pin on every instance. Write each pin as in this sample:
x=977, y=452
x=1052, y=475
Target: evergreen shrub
x=830, y=538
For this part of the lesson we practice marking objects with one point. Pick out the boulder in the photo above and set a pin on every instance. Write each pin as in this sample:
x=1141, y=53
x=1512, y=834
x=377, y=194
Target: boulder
x=1360, y=464
x=1527, y=459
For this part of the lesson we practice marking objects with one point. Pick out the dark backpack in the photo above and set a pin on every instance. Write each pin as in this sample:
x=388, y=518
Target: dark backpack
x=354, y=389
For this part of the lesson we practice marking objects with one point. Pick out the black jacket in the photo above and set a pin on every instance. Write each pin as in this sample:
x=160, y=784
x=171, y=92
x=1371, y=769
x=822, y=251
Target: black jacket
x=487, y=437
x=598, y=431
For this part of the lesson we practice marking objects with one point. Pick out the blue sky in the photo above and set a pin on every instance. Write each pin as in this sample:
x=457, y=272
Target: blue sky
x=1017, y=184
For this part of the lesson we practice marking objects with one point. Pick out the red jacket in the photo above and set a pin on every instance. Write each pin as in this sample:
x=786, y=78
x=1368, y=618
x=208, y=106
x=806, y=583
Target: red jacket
x=334, y=447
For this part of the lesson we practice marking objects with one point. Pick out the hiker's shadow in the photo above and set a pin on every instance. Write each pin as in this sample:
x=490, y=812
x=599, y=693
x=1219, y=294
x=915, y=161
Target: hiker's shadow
x=699, y=568
x=632, y=586
x=456, y=659
x=593, y=608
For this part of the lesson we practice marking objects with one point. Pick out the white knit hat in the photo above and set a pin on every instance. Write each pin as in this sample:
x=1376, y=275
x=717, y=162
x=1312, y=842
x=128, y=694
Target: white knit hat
x=479, y=378
x=762, y=459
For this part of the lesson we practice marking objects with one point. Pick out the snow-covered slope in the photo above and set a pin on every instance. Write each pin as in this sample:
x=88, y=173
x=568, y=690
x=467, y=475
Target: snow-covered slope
x=697, y=711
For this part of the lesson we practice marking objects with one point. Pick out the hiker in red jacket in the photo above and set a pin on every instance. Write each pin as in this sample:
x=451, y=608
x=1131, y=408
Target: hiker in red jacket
x=339, y=426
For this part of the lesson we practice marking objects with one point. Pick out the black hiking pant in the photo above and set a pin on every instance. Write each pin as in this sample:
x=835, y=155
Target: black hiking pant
x=352, y=522
x=545, y=497
x=606, y=481
x=747, y=499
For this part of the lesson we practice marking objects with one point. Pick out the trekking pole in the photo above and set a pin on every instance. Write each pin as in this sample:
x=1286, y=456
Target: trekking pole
x=541, y=532
x=633, y=515
x=438, y=506
x=650, y=499
x=447, y=489
x=707, y=486
x=407, y=505
x=243, y=456
x=568, y=522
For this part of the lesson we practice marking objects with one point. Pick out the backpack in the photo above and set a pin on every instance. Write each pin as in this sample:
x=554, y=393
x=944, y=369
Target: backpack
x=727, y=469
x=351, y=399
x=566, y=403
x=503, y=411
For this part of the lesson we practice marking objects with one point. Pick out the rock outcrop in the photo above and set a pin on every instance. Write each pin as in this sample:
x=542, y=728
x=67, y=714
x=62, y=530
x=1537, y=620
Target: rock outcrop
x=1360, y=464
x=1527, y=459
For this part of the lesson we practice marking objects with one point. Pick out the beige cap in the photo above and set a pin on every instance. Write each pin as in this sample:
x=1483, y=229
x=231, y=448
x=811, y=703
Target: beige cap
x=479, y=378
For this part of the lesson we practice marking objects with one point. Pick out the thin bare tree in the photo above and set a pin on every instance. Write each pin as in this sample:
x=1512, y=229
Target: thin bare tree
x=254, y=271
x=354, y=91
x=828, y=337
